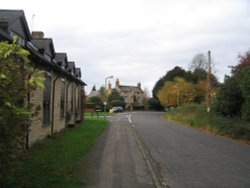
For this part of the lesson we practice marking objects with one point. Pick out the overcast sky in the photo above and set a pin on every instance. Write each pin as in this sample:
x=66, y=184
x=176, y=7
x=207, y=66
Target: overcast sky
x=140, y=40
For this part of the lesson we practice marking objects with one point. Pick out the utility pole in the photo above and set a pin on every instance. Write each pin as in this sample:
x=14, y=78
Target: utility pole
x=208, y=94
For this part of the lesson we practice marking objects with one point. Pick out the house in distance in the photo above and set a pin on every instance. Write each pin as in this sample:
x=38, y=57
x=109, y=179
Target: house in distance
x=133, y=95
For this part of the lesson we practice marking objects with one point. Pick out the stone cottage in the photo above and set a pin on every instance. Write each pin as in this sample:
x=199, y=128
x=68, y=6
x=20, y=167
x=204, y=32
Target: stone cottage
x=61, y=100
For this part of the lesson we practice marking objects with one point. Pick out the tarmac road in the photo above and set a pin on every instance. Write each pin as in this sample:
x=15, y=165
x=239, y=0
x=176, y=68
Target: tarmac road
x=188, y=158
x=141, y=150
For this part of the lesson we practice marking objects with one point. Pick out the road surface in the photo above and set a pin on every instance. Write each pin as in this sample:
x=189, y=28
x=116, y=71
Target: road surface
x=142, y=150
x=190, y=158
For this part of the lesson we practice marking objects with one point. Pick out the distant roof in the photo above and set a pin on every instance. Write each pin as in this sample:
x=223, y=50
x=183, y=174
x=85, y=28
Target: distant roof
x=130, y=89
x=94, y=94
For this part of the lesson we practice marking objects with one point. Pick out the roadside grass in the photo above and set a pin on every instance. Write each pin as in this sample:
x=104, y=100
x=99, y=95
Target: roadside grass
x=100, y=114
x=195, y=115
x=54, y=161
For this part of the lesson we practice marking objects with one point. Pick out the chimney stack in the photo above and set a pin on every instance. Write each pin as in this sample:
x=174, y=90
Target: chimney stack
x=139, y=85
x=37, y=35
x=109, y=88
x=117, y=83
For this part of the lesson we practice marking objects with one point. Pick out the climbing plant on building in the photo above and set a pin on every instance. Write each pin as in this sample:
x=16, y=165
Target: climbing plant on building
x=17, y=80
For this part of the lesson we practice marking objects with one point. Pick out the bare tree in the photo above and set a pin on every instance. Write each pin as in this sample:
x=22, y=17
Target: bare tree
x=146, y=97
x=199, y=61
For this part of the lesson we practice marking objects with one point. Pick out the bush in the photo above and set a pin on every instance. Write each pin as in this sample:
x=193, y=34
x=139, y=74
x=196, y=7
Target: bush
x=196, y=116
x=15, y=112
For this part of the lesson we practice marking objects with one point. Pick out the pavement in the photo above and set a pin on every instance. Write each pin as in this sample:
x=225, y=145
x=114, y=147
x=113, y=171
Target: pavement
x=117, y=161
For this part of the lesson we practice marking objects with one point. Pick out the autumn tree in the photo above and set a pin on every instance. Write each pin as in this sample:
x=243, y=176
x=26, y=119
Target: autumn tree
x=17, y=80
x=169, y=76
x=200, y=88
x=177, y=92
x=168, y=94
x=244, y=62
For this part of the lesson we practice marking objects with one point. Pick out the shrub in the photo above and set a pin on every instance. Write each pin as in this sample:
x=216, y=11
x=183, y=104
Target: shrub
x=15, y=111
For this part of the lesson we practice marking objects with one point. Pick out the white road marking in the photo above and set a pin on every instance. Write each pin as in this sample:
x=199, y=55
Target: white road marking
x=129, y=118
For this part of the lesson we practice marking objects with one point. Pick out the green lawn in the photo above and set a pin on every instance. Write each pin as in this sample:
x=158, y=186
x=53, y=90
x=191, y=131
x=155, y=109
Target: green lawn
x=54, y=161
x=196, y=116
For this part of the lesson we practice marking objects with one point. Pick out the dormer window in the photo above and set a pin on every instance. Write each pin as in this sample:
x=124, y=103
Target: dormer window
x=41, y=51
x=20, y=40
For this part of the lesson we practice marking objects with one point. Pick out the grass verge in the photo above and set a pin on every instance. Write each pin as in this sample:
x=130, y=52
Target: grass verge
x=98, y=114
x=196, y=116
x=54, y=161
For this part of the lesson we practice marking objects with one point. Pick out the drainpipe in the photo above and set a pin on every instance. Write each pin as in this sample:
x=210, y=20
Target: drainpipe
x=82, y=94
x=66, y=108
x=53, y=104
x=27, y=127
x=74, y=102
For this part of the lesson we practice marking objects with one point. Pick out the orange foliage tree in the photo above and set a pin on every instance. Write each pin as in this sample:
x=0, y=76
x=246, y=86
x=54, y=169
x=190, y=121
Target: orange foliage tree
x=177, y=92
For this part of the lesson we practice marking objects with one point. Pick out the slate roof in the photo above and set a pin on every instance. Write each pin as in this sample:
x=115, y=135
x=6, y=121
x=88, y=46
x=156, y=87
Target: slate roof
x=14, y=20
x=78, y=73
x=62, y=59
x=130, y=89
x=71, y=67
x=46, y=44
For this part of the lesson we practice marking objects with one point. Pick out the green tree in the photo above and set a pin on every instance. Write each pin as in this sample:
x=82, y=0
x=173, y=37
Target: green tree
x=170, y=76
x=102, y=93
x=95, y=100
x=229, y=99
x=155, y=104
x=232, y=99
x=114, y=95
x=17, y=80
x=245, y=90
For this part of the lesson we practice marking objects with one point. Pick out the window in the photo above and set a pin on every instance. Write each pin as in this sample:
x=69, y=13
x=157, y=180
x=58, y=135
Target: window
x=20, y=40
x=62, y=103
x=46, y=100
